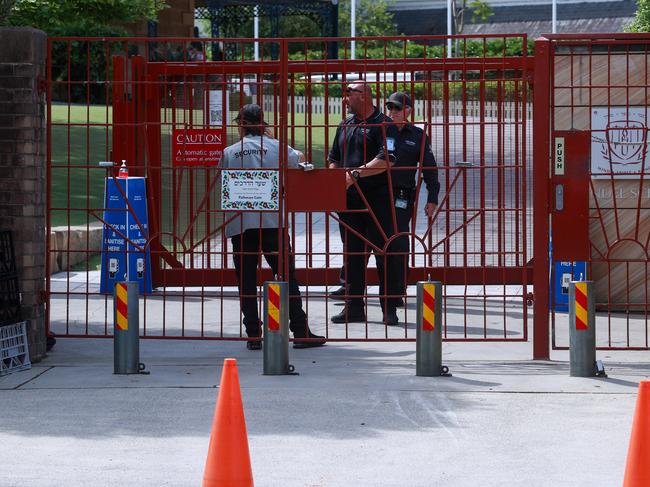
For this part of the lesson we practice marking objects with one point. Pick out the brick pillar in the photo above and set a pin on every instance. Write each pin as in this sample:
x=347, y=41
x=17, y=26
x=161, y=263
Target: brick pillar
x=22, y=168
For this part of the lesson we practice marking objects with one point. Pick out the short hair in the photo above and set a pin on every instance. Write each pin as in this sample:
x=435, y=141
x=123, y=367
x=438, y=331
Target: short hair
x=365, y=86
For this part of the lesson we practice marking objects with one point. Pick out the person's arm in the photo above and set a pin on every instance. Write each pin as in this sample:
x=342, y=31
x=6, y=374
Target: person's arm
x=430, y=177
x=376, y=166
x=334, y=159
x=225, y=159
x=381, y=162
x=294, y=157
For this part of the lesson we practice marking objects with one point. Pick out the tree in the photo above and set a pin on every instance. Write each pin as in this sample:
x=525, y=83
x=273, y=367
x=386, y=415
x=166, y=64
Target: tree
x=373, y=18
x=83, y=60
x=641, y=21
x=5, y=8
x=479, y=9
x=83, y=17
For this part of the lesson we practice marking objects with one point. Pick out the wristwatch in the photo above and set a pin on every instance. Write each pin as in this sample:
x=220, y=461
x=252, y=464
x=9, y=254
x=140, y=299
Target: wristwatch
x=356, y=174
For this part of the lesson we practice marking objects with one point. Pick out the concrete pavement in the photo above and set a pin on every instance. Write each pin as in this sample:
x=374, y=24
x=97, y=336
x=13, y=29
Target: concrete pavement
x=356, y=415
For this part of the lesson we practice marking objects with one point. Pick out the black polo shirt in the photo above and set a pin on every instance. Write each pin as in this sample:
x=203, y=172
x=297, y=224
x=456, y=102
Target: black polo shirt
x=358, y=141
x=408, y=149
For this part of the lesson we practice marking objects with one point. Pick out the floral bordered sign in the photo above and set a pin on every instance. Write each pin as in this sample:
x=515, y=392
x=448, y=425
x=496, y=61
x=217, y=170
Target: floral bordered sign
x=249, y=190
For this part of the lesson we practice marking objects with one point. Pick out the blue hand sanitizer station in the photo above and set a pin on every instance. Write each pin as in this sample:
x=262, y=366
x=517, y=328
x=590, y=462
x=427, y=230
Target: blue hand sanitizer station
x=125, y=255
x=563, y=273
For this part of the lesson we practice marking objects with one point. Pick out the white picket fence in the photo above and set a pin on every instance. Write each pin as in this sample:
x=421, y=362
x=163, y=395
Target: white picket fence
x=470, y=109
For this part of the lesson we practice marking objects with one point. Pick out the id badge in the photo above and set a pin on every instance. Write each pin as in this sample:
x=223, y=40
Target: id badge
x=401, y=203
x=390, y=144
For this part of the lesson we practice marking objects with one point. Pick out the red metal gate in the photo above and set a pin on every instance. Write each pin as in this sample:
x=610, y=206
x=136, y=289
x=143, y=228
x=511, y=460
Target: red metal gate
x=125, y=98
x=598, y=93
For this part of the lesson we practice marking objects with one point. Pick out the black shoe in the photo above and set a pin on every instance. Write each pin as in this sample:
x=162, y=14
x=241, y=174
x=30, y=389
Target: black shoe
x=391, y=318
x=254, y=345
x=51, y=341
x=350, y=315
x=315, y=340
x=339, y=294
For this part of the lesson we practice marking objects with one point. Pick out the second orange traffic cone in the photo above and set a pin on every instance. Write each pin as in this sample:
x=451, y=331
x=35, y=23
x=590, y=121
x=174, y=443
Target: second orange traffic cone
x=228, y=463
x=637, y=470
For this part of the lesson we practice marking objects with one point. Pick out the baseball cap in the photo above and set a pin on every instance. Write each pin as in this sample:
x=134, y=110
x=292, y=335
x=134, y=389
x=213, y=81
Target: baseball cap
x=250, y=113
x=399, y=99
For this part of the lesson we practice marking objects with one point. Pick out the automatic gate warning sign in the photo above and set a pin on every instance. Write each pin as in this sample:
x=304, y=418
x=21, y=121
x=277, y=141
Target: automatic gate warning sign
x=197, y=147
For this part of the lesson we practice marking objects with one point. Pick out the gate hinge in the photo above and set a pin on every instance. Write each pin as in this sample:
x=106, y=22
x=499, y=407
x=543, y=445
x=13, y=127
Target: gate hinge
x=530, y=298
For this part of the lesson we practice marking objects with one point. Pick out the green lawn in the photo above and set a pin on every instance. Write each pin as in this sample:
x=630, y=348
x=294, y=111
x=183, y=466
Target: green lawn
x=82, y=136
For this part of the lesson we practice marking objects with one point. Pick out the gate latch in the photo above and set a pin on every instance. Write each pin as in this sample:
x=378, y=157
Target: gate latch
x=559, y=197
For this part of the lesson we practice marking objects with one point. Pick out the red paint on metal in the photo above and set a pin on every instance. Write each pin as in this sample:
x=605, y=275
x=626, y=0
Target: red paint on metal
x=274, y=297
x=470, y=241
x=581, y=298
x=541, y=141
x=570, y=224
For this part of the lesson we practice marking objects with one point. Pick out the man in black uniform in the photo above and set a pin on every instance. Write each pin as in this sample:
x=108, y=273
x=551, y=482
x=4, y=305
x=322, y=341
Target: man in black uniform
x=356, y=144
x=413, y=151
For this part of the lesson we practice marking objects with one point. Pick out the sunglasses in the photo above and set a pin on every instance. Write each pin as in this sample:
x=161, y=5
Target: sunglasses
x=350, y=90
x=390, y=106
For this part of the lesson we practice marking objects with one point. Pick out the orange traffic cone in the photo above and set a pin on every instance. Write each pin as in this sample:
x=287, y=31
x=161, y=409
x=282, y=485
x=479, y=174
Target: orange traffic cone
x=228, y=463
x=637, y=470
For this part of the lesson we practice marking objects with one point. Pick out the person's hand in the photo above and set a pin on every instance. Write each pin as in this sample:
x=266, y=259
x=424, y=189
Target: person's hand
x=430, y=209
x=349, y=180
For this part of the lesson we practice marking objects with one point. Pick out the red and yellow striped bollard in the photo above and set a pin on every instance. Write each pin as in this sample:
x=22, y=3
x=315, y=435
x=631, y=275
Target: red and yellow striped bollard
x=428, y=352
x=582, y=329
x=276, y=328
x=126, y=329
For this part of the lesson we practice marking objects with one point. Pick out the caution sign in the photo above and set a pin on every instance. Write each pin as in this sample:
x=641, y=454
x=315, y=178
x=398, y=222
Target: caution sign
x=122, y=306
x=197, y=147
x=428, y=307
x=273, y=296
x=582, y=317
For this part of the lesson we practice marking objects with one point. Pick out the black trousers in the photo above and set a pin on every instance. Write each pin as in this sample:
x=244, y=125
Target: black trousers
x=246, y=253
x=391, y=268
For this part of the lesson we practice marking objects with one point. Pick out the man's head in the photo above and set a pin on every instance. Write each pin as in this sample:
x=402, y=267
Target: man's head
x=251, y=120
x=358, y=98
x=399, y=106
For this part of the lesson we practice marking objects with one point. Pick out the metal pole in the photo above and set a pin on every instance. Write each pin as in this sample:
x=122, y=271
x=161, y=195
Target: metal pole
x=276, y=328
x=582, y=329
x=428, y=347
x=353, y=27
x=449, y=28
x=126, y=329
x=541, y=172
x=554, y=27
x=256, y=32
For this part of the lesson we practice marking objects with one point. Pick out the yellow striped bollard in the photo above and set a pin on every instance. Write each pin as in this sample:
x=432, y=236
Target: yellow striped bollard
x=582, y=330
x=276, y=328
x=126, y=329
x=428, y=351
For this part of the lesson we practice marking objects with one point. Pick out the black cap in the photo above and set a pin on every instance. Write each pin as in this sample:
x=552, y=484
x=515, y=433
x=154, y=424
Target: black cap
x=251, y=114
x=399, y=99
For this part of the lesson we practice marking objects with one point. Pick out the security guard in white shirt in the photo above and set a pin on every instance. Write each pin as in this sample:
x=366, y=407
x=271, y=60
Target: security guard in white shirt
x=249, y=231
